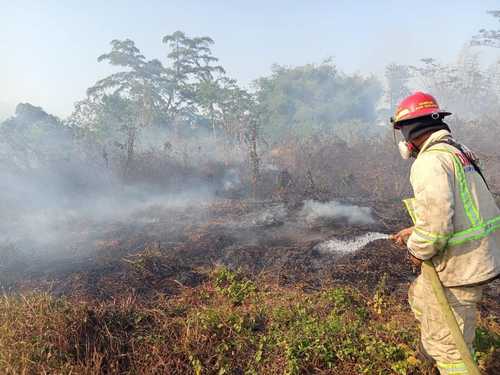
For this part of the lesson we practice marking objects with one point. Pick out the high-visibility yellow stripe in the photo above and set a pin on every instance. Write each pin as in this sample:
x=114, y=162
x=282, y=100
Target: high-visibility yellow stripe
x=479, y=228
x=431, y=236
x=470, y=208
x=455, y=367
x=410, y=206
x=476, y=233
x=454, y=371
x=469, y=205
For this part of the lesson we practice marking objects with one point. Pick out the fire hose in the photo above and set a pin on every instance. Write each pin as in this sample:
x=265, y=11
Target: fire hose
x=430, y=273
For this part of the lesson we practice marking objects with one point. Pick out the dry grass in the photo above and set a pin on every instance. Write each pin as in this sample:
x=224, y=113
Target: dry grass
x=227, y=325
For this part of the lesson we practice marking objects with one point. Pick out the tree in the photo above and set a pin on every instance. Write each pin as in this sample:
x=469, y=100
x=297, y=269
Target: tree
x=251, y=137
x=32, y=138
x=490, y=38
x=207, y=95
x=461, y=87
x=144, y=82
x=397, y=77
x=435, y=77
x=192, y=71
x=312, y=98
x=226, y=105
x=134, y=97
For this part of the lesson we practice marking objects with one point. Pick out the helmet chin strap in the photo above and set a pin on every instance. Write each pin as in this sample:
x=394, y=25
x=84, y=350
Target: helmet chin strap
x=414, y=147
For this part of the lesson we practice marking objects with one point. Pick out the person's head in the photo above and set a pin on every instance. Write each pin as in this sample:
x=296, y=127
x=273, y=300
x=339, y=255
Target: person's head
x=417, y=117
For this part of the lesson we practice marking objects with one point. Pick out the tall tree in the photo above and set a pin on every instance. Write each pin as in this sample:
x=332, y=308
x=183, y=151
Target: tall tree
x=193, y=68
x=142, y=81
x=397, y=77
x=138, y=90
x=33, y=138
x=462, y=87
x=311, y=98
x=490, y=38
x=234, y=106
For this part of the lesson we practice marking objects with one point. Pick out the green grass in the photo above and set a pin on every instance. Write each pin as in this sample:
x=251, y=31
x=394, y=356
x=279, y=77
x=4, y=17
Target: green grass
x=228, y=325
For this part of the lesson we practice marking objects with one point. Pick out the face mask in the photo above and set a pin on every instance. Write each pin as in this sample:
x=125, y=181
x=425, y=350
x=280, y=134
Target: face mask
x=407, y=150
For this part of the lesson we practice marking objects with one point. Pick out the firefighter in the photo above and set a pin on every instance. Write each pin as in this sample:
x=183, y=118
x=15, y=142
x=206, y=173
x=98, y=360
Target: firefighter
x=456, y=227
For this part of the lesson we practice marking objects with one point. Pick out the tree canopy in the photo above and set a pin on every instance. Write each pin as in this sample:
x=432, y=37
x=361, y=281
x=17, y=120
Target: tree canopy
x=490, y=38
x=304, y=99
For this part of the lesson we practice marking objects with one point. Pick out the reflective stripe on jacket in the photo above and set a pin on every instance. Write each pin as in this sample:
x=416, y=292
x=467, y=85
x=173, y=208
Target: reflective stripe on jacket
x=456, y=218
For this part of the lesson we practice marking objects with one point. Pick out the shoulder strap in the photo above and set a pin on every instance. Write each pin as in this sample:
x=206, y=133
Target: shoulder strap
x=459, y=147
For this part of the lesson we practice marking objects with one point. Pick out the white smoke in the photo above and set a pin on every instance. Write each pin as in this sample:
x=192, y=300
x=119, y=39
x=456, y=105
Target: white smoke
x=315, y=211
x=55, y=229
x=231, y=180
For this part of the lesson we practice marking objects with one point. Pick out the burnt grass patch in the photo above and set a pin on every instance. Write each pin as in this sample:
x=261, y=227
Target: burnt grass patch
x=207, y=293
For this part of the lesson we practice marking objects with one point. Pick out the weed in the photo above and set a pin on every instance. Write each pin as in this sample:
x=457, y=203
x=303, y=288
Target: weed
x=233, y=285
x=378, y=297
x=245, y=330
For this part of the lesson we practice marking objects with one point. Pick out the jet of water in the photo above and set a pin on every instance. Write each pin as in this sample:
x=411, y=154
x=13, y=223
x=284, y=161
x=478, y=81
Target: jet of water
x=352, y=245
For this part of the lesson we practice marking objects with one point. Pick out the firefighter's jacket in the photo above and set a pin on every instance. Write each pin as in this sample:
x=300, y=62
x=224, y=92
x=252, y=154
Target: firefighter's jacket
x=457, y=223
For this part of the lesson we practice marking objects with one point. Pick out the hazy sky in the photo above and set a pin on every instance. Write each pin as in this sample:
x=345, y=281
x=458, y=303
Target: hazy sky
x=48, y=48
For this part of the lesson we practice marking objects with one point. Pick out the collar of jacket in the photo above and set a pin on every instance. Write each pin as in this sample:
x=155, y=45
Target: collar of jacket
x=436, y=136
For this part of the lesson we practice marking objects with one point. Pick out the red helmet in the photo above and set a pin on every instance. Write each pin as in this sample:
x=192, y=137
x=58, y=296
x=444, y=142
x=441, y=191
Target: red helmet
x=417, y=105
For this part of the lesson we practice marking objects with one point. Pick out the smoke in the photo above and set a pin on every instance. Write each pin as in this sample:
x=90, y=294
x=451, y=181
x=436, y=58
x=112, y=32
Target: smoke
x=57, y=197
x=271, y=215
x=5, y=111
x=315, y=212
x=48, y=224
x=199, y=145
x=231, y=180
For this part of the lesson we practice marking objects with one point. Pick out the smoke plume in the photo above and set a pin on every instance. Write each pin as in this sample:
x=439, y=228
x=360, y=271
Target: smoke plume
x=315, y=211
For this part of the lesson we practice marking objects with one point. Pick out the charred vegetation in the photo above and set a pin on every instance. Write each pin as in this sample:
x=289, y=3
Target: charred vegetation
x=179, y=223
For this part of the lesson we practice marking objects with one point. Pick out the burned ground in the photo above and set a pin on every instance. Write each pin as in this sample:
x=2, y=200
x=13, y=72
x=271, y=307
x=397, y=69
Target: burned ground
x=230, y=259
x=164, y=249
x=257, y=238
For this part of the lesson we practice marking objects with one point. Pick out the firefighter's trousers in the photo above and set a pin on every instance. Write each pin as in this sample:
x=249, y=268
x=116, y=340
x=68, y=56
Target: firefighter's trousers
x=435, y=336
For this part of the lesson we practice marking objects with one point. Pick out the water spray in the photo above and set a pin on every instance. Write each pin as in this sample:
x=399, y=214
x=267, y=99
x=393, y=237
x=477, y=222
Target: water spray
x=351, y=245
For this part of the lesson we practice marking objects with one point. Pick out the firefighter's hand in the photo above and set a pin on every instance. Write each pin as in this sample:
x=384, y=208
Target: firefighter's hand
x=402, y=236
